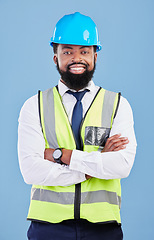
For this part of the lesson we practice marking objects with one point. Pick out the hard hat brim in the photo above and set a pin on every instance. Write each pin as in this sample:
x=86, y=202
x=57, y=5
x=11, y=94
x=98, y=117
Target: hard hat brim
x=98, y=46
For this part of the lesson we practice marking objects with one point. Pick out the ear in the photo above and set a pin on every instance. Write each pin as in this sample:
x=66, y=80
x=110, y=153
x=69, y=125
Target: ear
x=55, y=58
x=95, y=56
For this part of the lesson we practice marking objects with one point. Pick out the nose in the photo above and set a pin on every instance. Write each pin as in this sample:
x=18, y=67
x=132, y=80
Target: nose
x=76, y=57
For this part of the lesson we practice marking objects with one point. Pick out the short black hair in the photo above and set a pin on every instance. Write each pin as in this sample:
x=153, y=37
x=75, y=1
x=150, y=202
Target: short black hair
x=55, y=46
x=95, y=48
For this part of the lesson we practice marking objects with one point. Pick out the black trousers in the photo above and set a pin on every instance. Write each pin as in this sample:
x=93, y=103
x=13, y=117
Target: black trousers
x=74, y=230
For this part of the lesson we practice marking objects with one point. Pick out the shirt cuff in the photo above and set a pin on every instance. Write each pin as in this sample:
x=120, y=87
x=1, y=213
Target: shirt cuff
x=77, y=161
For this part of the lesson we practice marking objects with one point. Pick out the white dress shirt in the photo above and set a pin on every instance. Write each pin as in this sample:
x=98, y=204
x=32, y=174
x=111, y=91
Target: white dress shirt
x=31, y=145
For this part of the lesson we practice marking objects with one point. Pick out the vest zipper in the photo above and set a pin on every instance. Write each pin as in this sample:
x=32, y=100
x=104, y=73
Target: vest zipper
x=77, y=198
x=77, y=201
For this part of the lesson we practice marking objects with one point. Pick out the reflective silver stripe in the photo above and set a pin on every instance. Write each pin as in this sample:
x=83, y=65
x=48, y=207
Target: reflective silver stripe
x=49, y=118
x=68, y=197
x=107, y=111
x=119, y=200
x=51, y=196
x=100, y=196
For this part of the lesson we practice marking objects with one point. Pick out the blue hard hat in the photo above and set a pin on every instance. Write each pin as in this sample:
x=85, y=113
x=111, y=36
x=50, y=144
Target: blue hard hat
x=76, y=29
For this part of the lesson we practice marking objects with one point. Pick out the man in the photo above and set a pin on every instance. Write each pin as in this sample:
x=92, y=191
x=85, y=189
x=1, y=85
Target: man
x=76, y=141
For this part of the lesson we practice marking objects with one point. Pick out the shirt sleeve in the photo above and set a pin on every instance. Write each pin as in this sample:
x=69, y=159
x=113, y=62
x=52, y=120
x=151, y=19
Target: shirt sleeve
x=110, y=165
x=31, y=145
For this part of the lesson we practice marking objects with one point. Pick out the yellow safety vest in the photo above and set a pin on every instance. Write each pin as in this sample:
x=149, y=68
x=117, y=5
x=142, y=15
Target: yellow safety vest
x=96, y=200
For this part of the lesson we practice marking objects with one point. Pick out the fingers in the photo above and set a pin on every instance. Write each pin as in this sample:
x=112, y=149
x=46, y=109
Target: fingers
x=119, y=148
x=114, y=137
x=88, y=176
x=115, y=143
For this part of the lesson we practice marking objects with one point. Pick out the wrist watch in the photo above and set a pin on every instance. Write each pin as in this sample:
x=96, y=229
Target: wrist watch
x=57, y=154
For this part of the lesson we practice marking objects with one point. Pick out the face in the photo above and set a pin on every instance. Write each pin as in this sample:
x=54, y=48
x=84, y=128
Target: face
x=75, y=64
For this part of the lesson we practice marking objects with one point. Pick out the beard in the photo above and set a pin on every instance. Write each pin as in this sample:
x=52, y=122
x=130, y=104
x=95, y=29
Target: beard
x=76, y=81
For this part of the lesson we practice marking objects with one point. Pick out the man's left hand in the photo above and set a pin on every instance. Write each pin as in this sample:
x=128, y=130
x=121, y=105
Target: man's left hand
x=48, y=154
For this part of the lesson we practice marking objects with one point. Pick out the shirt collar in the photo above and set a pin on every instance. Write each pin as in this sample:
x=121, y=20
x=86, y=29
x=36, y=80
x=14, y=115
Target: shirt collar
x=63, y=88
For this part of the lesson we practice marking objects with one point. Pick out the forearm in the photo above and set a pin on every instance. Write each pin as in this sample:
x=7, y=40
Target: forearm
x=31, y=145
x=36, y=170
x=108, y=165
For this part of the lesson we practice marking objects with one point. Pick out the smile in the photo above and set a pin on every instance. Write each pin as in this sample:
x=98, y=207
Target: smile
x=77, y=69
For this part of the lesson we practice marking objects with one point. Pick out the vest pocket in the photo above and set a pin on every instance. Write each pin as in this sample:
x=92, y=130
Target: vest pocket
x=96, y=136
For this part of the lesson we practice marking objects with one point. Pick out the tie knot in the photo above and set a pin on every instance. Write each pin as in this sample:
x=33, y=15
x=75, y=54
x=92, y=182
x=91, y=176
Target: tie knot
x=78, y=95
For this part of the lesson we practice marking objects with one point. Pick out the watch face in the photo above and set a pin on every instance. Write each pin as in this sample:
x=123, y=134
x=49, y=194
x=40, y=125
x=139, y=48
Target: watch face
x=57, y=154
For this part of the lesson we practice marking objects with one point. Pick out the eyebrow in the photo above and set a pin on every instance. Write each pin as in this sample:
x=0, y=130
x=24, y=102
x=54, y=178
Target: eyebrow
x=85, y=47
x=63, y=47
x=68, y=47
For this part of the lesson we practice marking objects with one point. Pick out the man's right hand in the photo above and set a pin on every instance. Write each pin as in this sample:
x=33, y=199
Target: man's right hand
x=115, y=143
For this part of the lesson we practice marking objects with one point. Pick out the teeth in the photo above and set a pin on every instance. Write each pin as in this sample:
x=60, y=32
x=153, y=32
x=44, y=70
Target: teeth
x=78, y=69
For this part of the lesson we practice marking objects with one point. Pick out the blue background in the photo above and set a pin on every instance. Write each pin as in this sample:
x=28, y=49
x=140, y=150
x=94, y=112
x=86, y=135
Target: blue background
x=126, y=30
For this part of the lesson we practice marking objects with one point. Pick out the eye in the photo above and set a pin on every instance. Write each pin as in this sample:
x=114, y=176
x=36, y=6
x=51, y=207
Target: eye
x=84, y=52
x=67, y=53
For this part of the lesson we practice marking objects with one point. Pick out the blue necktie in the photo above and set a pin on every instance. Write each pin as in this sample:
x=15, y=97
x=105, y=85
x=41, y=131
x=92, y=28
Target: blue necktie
x=77, y=115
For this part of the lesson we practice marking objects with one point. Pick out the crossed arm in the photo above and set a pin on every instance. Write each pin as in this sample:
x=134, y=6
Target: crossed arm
x=114, y=143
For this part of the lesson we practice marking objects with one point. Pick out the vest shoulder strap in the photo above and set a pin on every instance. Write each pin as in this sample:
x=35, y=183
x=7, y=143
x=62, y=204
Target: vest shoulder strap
x=110, y=107
x=118, y=102
x=46, y=105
